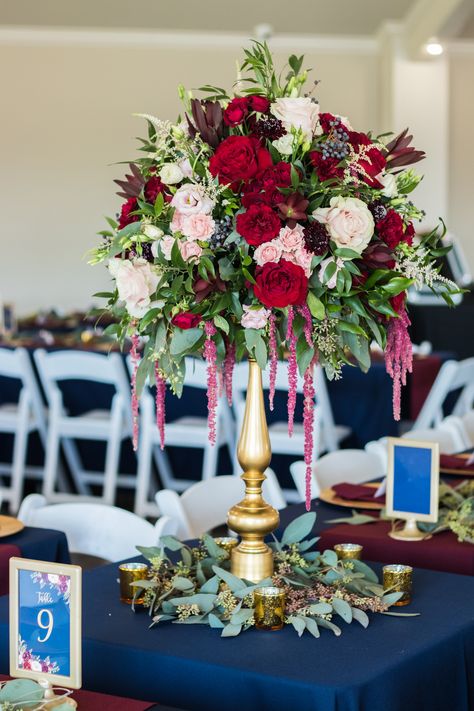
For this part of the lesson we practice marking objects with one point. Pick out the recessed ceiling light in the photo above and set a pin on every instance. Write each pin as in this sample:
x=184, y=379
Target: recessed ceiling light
x=434, y=48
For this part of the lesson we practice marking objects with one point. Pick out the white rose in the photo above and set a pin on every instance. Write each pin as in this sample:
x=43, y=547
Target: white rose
x=152, y=231
x=300, y=112
x=349, y=222
x=389, y=183
x=284, y=145
x=35, y=665
x=190, y=199
x=171, y=173
x=254, y=318
x=136, y=281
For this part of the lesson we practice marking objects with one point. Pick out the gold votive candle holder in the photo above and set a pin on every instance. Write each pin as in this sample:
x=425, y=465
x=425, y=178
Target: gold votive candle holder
x=398, y=578
x=347, y=551
x=227, y=542
x=130, y=573
x=269, y=608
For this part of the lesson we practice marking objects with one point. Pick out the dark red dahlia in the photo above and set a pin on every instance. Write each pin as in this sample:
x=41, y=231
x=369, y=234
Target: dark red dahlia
x=326, y=168
x=125, y=217
x=316, y=238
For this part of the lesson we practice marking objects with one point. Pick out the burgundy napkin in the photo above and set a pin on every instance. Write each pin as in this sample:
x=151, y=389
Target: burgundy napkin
x=357, y=492
x=452, y=461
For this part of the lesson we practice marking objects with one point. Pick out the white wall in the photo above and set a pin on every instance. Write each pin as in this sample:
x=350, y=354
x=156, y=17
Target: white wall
x=67, y=116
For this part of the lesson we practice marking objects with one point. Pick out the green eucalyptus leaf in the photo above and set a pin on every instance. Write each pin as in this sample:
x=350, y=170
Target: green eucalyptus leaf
x=241, y=616
x=360, y=616
x=342, y=608
x=183, y=584
x=329, y=557
x=214, y=621
x=211, y=585
x=231, y=630
x=232, y=581
x=204, y=601
x=312, y=627
x=150, y=552
x=172, y=543
x=330, y=626
x=390, y=598
x=299, y=528
x=320, y=608
x=185, y=340
x=298, y=623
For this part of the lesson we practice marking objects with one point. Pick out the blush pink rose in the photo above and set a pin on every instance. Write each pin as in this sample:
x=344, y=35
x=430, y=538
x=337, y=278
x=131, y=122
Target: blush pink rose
x=254, y=318
x=349, y=222
x=301, y=257
x=136, y=281
x=166, y=245
x=191, y=199
x=177, y=221
x=189, y=250
x=198, y=226
x=291, y=238
x=267, y=252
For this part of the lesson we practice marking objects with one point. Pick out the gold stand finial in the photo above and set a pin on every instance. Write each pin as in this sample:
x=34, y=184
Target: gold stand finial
x=253, y=518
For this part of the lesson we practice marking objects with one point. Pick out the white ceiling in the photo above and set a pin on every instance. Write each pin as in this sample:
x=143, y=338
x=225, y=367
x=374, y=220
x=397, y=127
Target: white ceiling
x=333, y=17
x=318, y=17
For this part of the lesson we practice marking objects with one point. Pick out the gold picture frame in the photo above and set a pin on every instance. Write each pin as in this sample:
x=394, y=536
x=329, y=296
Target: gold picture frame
x=411, y=532
x=73, y=679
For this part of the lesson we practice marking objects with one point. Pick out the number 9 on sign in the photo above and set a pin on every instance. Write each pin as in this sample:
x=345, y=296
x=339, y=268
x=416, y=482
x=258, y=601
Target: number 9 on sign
x=45, y=622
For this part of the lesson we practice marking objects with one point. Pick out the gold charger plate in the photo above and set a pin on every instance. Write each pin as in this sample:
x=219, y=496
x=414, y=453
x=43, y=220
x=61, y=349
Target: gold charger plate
x=329, y=496
x=10, y=525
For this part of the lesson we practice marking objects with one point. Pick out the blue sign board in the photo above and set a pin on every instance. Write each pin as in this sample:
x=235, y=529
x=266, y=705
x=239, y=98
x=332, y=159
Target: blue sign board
x=412, y=479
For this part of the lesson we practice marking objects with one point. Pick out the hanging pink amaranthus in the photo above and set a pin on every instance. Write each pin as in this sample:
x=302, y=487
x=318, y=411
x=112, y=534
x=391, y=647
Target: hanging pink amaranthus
x=308, y=324
x=308, y=426
x=160, y=404
x=135, y=362
x=273, y=352
x=398, y=356
x=292, y=370
x=229, y=363
x=210, y=353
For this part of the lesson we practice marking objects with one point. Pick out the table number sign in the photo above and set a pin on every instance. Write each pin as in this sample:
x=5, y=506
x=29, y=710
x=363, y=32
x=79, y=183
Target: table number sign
x=45, y=623
x=412, y=485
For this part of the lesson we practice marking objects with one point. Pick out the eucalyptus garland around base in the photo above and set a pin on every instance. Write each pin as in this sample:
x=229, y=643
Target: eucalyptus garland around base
x=200, y=589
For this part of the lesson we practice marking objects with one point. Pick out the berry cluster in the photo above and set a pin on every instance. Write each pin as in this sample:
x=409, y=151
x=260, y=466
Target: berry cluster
x=316, y=238
x=336, y=144
x=222, y=230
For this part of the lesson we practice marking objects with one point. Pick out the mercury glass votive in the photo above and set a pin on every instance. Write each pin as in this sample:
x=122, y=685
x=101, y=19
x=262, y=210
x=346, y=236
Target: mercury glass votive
x=348, y=551
x=227, y=542
x=269, y=608
x=398, y=578
x=130, y=573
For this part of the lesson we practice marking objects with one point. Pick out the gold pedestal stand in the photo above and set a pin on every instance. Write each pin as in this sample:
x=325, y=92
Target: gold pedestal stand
x=410, y=532
x=253, y=518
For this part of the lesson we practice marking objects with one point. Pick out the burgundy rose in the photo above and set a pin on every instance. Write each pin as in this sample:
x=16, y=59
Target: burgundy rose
x=153, y=188
x=236, y=111
x=280, y=285
x=391, y=229
x=326, y=168
x=125, y=217
x=239, y=158
x=265, y=187
x=186, y=320
x=258, y=224
x=258, y=103
x=372, y=164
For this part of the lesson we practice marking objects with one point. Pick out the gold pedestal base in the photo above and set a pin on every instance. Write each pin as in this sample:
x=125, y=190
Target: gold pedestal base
x=253, y=519
x=410, y=532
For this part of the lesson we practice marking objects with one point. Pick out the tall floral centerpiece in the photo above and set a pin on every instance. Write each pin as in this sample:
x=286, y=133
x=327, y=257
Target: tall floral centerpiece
x=259, y=224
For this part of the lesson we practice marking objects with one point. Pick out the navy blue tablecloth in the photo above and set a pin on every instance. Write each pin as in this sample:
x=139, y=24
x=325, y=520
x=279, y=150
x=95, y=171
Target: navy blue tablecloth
x=40, y=544
x=397, y=664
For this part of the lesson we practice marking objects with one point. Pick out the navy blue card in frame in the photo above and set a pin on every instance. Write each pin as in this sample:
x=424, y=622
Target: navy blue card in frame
x=44, y=630
x=412, y=479
x=45, y=622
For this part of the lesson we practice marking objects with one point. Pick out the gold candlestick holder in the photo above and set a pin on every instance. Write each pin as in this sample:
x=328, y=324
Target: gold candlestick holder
x=253, y=518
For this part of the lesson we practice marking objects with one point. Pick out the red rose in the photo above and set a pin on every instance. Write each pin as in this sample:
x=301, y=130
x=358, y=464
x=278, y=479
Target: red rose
x=153, y=187
x=236, y=111
x=265, y=187
x=258, y=224
x=258, y=103
x=391, y=229
x=239, y=158
x=186, y=320
x=326, y=168
x=125, y=217
x=282, y=284
x=373, y=163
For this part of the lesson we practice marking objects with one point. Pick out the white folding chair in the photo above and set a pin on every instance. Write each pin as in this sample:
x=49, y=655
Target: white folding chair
x=298, y=474
x=468, y=427
x=448, y=439
x=109, y=426
x=205, y=505
x=353, y=466
x=20, y=419
x=186, y=431
x=453, y=376
x=96, y=529
x=326, y=435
